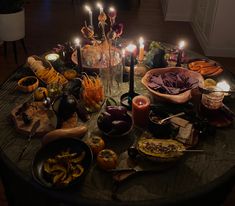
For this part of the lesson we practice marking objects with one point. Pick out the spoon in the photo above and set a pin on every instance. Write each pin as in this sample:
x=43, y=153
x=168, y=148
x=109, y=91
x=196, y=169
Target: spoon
x=167, y=118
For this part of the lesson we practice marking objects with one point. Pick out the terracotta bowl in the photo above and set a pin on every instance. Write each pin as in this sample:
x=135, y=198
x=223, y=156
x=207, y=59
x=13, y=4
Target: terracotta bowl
x=28, y=84
x=178, y=98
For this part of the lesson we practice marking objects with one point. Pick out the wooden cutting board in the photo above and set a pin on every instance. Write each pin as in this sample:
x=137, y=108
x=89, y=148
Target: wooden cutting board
x=35, y=111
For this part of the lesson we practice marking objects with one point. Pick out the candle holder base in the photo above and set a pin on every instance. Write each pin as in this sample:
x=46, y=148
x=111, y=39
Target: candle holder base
x=126, y=100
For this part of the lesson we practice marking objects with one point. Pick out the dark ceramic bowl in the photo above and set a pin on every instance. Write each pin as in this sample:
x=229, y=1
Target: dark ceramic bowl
x=159, y=130
x=54, y=148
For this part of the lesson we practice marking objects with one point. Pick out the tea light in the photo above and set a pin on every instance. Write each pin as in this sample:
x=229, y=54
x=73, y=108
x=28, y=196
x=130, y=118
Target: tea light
x=141, y=49
x=52, y=57
x=140, y=110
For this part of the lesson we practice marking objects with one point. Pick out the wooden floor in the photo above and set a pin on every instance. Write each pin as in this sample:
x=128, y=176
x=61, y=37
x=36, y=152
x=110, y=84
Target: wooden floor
x=49, y=22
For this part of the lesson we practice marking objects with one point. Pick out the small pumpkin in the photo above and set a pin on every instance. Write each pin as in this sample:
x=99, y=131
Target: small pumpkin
x=38, y=93
x=96, y=144
x=107, y=159
x=70, y=74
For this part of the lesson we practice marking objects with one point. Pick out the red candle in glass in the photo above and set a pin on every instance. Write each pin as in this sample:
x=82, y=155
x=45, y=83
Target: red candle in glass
x=140, y=110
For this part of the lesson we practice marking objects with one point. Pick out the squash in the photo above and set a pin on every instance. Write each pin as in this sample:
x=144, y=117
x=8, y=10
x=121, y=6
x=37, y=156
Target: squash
x=161, y=149
x=76, y=132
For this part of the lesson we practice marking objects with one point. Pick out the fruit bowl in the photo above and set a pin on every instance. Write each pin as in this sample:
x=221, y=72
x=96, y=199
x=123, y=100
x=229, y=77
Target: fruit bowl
x=179, y=98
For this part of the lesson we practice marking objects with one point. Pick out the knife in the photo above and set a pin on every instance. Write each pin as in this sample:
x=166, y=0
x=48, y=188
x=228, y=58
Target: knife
x=31, y=134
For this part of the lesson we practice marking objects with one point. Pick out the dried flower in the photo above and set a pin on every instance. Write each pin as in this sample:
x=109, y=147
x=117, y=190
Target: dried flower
x=118, y=29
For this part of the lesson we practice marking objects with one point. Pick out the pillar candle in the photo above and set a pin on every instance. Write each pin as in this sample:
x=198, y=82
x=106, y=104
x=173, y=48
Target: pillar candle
x=140, y=110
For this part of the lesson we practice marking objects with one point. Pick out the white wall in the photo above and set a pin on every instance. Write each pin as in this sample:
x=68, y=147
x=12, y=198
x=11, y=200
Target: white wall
x=178, y=10
x=213, y=22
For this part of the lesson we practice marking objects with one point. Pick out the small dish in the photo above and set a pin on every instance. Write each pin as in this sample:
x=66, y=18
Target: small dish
x=54, y=148
x=206, y=67
x=28, y=84
x=159, y=130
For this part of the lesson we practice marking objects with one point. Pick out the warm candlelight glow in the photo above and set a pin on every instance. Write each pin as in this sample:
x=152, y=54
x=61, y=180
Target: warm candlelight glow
x=88, y=8
x=223, y=85
x=181, y=44
x=99, y=5
x=77, y=41
x=52, y=57
x=141, y=41
x=131, y=48
x=111, y=9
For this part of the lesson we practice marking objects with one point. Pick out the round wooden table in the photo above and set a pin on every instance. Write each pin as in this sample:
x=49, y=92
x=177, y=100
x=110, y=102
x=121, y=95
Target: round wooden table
x=196, y=179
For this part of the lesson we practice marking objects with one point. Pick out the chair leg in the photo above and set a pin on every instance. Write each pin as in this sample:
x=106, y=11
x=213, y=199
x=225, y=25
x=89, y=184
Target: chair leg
x=5, y=48
x=24, y=47
x=15, y=52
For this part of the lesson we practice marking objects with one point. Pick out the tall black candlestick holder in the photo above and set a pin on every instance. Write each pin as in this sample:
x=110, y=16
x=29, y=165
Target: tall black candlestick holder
x=126, y=99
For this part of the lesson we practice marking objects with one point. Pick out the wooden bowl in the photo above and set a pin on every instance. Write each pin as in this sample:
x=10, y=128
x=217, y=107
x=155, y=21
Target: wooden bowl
x=28, y=84
x=178, y=98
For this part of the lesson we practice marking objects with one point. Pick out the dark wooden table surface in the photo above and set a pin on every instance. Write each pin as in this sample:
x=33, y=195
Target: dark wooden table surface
x=195, y=175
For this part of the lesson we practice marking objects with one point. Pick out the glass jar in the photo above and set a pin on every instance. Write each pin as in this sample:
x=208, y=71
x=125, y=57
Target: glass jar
x=54, y=90
x=213, y=100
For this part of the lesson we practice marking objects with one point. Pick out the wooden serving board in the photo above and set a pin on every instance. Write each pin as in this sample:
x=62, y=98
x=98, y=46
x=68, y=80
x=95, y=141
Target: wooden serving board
x=35, y=110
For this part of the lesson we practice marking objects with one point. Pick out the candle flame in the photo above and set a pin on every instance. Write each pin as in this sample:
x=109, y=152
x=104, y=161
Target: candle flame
x=88, y=8
x=223, y=85
x=141, y=40
x=131, y=48
x=181, y=44
x=111, y=9
x=77, y=41
x=99, y=5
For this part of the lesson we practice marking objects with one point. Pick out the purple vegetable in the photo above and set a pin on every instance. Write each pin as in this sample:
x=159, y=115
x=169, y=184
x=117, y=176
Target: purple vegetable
x=116, y=112
x=120, y=127
x=104, y=122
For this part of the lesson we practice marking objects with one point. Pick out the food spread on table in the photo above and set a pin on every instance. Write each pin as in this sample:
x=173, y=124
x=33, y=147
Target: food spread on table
x=71, y=103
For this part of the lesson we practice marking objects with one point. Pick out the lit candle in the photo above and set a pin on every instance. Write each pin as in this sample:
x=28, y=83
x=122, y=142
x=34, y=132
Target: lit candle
x=141, y=49
x=181, y=48
x=90, y=15
x=52, y=57
x=99, y=5
x=140, y=110
x=112, y=15
x=79, y=56
x=131, y=48
x=224, y=86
